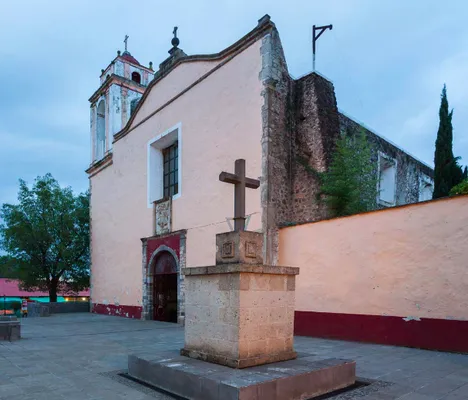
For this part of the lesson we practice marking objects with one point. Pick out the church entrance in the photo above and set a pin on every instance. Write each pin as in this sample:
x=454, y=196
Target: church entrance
x=165, y=288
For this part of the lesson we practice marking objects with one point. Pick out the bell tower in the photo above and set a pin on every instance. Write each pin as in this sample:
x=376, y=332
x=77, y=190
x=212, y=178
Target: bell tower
x=122, y=84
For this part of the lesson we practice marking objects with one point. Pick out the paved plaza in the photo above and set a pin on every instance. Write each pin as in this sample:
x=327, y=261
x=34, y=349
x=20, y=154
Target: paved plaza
x=78, y=356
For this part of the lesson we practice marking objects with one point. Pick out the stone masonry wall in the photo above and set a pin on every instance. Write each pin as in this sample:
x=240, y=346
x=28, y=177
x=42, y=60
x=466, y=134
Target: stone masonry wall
x=316, y=130
x=300, y=127
x=276, y=143
x=409, y=172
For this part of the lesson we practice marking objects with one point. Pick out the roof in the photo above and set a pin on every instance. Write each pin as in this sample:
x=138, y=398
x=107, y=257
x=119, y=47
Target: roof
x=128, y=57
x=10, y=288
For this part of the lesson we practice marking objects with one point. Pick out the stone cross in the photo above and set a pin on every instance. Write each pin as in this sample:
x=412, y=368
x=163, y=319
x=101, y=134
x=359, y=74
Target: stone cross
x=125, y=41
x=240, y=182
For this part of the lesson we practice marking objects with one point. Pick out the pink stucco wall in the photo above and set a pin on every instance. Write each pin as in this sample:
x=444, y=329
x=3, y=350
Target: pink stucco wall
x=220, y=120
x=409, y=261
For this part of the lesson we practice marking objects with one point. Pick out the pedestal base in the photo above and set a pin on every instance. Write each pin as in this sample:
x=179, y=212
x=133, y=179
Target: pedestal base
x=198, y=380
x=239, y=363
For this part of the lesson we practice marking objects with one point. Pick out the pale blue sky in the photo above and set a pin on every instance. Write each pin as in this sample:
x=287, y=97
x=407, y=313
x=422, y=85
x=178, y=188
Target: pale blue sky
x=387, y=59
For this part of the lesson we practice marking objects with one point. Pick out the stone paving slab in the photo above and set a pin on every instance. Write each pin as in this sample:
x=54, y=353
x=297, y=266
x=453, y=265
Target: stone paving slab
x=72, y=356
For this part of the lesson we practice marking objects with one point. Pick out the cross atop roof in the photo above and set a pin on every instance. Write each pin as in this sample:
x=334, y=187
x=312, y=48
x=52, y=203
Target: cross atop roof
x=125, y=41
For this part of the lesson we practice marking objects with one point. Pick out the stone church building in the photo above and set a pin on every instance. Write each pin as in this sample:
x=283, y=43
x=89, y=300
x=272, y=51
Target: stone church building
x=160, y=140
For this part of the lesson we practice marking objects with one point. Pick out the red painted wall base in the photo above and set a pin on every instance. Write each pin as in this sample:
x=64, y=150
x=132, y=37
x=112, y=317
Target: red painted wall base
x=120, y=311
x=428, y=333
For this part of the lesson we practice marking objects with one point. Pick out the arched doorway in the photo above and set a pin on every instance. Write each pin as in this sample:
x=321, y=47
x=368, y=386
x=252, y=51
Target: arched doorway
x=165, y=288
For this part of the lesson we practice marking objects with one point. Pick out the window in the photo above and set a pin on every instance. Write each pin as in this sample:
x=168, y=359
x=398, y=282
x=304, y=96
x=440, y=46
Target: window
x=136, y=77
x=171, y=170
x=387, y=180
x=164, y=177
x=100, y=130
x=426, y=188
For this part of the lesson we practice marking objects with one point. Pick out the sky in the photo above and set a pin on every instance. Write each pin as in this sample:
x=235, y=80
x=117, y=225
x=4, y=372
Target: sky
x=387, y=59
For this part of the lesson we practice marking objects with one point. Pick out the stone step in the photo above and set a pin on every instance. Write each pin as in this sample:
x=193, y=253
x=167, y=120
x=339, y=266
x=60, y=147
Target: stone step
x=199, y=380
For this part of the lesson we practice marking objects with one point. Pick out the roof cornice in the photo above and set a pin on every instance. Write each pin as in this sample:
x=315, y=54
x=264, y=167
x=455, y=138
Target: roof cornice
x=98, y=166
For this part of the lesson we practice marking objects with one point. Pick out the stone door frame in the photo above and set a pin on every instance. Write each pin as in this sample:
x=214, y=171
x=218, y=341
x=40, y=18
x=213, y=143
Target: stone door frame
x=149, y=275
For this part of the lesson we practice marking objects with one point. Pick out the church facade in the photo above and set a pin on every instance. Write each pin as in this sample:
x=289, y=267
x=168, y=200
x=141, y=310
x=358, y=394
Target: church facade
x=160, y=140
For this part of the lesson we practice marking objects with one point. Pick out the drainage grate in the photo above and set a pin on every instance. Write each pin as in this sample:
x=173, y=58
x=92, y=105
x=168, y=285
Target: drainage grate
x=151, y=387
x=363, y=387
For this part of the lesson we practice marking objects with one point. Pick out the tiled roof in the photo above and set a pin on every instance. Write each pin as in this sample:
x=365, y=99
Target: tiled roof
x=128, y=57
x=10, y=288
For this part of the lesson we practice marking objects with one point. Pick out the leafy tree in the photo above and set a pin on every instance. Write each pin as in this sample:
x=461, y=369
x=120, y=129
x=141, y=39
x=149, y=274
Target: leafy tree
x=447, y=172
x=461, y=188
x=46, y=238
x=350, y=184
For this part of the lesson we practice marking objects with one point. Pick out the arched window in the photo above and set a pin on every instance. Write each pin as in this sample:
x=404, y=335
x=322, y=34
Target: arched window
x=136, y=77
x=101, y=130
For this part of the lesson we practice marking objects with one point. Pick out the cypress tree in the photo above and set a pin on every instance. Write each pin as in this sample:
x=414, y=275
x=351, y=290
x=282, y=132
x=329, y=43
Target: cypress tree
x=447, y=172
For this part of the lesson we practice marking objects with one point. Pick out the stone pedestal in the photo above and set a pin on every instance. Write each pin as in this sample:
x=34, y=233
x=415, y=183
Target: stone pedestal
x=239, y=313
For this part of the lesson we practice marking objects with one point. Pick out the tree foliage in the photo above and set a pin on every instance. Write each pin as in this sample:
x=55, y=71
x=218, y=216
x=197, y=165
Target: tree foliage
x=46, y=238
x=350, y=184
x=447, y=172
x=461, y=188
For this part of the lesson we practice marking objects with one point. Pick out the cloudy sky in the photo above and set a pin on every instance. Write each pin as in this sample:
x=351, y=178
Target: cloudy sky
x=387, y=59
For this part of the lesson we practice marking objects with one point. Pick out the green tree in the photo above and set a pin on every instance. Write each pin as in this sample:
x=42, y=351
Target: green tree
x=461, y=188
x=46, y=237
x=447, y=172
x=350, y=184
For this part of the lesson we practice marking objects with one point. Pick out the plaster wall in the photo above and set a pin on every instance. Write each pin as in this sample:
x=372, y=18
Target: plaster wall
x=213, y=137
x=119, y=68
x=406, y=261
x=171, y=85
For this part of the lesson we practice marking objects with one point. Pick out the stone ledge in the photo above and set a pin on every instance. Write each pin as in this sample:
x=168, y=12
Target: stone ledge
x=238, y=268
x=198, y=380
x=239, y=363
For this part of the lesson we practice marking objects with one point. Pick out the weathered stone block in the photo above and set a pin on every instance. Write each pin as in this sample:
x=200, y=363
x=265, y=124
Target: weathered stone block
x=248, y=321
x=239, y=247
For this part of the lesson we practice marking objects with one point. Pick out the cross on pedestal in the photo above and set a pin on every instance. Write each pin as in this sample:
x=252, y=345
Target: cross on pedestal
x=240, y=182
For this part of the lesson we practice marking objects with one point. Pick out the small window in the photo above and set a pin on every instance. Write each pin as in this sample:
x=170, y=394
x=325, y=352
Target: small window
x=387, y=180
x=171, y=170
x=136, y=77
x=426, y=188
